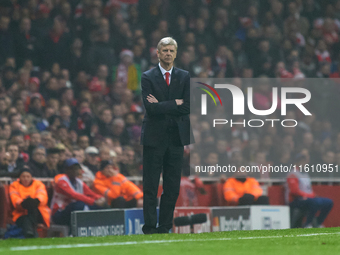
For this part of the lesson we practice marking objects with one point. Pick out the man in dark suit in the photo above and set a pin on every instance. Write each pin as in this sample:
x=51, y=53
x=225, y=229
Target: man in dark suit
x=165, y=131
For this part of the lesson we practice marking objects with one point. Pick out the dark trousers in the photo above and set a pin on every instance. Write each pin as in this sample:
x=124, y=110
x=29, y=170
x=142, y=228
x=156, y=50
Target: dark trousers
x=120, y=202
x=64, y=217
x=29, y=222
x=167, y=158
x=311, y=206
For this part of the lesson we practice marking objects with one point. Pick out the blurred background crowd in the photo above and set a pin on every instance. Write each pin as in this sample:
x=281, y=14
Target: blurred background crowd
x=71, y=69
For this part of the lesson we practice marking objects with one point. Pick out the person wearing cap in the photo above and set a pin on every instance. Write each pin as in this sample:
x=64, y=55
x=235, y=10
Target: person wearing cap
x=29, y=199
x=72, y=194
x=117, y=189
x=91, y=158
x=127, y=71
x=300, y=194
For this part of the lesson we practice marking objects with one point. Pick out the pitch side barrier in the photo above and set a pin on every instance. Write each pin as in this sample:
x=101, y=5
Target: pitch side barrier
x=138, y=180
x=130, y=221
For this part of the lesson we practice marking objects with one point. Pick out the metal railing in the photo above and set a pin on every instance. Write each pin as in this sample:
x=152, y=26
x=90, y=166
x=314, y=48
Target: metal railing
x=138, y=180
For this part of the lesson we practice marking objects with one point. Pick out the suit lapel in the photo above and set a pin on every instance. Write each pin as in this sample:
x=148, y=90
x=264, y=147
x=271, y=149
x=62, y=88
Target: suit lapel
x=161, y=82
x=173, y=83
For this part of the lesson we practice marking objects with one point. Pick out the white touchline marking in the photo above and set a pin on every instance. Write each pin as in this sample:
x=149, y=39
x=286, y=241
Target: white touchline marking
x=67, y=246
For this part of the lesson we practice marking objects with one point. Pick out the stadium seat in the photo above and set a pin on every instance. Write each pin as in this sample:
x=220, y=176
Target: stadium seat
x=3, y=210
x=276, y=195
x=218, y=194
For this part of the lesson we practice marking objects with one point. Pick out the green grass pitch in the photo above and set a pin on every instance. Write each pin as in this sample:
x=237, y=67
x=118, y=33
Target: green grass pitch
x=273, y=242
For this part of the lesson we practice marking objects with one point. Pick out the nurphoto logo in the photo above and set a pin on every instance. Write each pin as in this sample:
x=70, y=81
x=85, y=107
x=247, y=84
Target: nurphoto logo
x=238, y=106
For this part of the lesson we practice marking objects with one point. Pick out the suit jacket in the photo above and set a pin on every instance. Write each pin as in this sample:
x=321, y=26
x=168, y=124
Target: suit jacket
x=158, y=115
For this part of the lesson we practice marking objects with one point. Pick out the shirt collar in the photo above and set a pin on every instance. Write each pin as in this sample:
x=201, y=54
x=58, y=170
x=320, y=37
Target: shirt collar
x=13, y=165
x=163, y=70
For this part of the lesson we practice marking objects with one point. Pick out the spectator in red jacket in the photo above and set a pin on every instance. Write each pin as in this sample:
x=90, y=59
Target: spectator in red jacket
x=300, y=193
x=72, y=194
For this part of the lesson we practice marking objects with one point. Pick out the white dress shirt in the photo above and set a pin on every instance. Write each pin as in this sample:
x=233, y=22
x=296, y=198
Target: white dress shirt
x=164, y=71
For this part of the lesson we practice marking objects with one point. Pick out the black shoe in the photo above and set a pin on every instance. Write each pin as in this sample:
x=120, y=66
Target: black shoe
x=30, y=234
x=163, y=230
x=149, y=230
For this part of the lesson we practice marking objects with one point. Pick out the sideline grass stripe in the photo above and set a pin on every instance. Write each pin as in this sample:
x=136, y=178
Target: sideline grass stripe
x=86, y=245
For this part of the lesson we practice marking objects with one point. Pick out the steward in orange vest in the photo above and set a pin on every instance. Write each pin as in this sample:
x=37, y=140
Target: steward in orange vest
x=29, y=198
x=117, y=189
x=242, y=190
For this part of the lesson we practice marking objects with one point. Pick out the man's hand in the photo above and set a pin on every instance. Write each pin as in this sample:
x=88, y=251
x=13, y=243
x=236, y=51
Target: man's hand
x=179, y=101
x=100, y=202
x=151, y=99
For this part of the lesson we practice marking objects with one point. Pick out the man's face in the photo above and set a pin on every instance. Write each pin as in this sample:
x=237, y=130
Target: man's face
x=16, y=118
x=109, y=171
x=6, y=132
x=212, y=159
x=20, y=106
x=25, y=179
x=103, y=72
x=92, y=158
x=19, y=140
x=6, y=158
x=40, y=156
x=130, y=155
x=74, y=171
x=337, y=158
x=106, y=116
x=3, y=105
x=167, y=54
x=2, y=154
x=65, y=112
x=53, y=159
x=14, y=152
x=84, y=142
x=35, y=139
x=105, y=154
x=118, y=128
x=26, y=25
x=4, y=23
x=261, y=158
x=62, y=133
x=79, y=155
x=329, y=157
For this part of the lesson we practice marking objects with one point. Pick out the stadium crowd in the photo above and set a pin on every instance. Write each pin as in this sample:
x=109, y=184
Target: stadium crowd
x=71, y=74
x=70, y=78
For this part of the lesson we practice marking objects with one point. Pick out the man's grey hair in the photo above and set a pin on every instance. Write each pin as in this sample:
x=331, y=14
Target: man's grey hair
x=118, y=121
x=45, y=134
x=166, y=41
x=39, y=148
